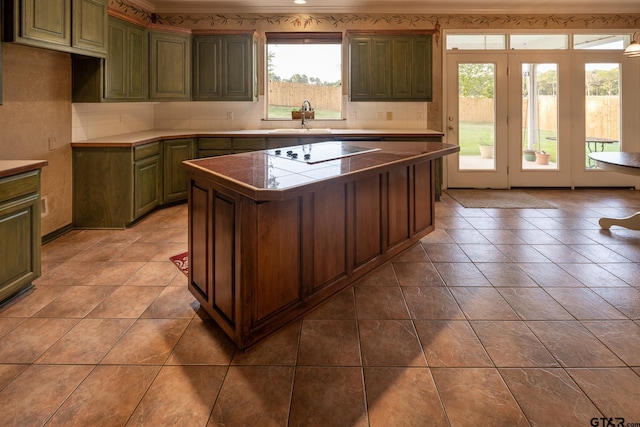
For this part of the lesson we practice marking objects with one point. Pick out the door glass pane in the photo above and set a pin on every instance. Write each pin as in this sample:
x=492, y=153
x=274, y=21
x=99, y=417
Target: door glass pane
x=602, y=108
x=540, y=116
x=476, y=96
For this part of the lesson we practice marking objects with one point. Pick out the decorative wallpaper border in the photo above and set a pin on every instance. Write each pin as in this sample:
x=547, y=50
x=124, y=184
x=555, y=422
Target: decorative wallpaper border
x=300, y=21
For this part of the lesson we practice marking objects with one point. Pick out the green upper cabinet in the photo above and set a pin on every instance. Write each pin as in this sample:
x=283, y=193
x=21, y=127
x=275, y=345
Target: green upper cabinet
x=127, y=64
x=89, y=30
x=225, y=67
x=390, y=67
x=170, y=66
x=46, y=20
x=75, y=26
x=370, y=68
x=207, y=73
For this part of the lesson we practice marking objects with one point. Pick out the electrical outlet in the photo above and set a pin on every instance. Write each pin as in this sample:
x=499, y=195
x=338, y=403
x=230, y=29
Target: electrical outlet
x=229, y=115
x=420, y=115
x=353, y=115
x=389, y=115
x=52, y=143
x=44, y=206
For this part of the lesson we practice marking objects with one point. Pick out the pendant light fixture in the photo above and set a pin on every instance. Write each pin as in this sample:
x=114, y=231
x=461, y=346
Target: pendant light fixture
x=633, y=50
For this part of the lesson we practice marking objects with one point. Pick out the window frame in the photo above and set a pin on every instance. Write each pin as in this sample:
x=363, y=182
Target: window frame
x=301, y=38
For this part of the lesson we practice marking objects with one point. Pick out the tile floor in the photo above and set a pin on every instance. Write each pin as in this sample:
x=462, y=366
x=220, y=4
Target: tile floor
x=499, y=317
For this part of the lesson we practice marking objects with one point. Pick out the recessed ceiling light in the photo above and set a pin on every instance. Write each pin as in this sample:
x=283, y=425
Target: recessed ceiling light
x=300, y=1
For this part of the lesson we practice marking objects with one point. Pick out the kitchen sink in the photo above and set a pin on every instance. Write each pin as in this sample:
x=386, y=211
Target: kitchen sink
x=299, y=131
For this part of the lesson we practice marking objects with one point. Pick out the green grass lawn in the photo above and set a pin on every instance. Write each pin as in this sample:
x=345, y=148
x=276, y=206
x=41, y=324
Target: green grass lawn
x=472, y=134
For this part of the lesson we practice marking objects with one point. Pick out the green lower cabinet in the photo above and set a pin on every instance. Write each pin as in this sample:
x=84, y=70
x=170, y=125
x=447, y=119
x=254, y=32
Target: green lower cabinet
x=281, y=141
x=246, y=144
x=147, y=185
x=114, y=186
x=19, y=232
x=212, y=146
x=175, y=184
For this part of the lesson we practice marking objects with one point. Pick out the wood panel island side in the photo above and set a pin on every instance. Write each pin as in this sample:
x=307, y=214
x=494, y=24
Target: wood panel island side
x=272, y=235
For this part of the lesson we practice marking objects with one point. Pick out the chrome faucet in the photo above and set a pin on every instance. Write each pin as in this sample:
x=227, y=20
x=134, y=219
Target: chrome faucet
x=306, y=106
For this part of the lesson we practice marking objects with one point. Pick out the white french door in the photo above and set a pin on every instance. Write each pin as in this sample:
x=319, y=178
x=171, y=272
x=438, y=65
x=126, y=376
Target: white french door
x=605, y=121
x=520, y=103
x=477, y=120
x=539, y=109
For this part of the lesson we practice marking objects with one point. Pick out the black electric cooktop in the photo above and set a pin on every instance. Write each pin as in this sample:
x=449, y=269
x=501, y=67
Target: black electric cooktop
x=319, y=152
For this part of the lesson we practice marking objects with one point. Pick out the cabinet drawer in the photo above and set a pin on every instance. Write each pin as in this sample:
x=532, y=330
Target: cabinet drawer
x=19, y=185
x=214, y=143
x=147, y=150
x=278, y=142
x=249, y=143
x=212, y=153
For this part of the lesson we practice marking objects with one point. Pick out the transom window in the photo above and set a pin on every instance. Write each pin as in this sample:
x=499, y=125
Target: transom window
x=527, y=41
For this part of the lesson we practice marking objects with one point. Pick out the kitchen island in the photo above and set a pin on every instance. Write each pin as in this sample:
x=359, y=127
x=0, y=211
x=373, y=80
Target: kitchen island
x=272, y=234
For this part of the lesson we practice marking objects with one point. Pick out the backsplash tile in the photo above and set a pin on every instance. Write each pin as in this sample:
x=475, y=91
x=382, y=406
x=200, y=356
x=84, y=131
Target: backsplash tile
x=91, y=120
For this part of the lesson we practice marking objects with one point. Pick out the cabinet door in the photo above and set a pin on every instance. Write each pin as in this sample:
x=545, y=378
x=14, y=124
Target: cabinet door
x=137, y=64
x=402, y=59
x=421, y=71
x=116, y=62
x=393, y=68
x=237, y=63
x=146, y=181
x=242, y=145
x=412, y=68
x=46, y=20
x=207, y=79
x=90, y=25
x=20, y=248
x=359, y=76
x=170, y=67
x=370, y=68
x=175, y=181
x=381, y=68
x=210, y=147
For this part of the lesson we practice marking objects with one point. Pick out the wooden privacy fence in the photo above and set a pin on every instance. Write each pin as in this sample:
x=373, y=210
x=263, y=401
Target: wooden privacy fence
x=602, y=114
x=292, y=95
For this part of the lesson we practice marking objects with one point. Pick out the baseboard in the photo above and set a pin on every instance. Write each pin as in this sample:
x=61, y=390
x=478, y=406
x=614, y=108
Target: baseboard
x=57, y=233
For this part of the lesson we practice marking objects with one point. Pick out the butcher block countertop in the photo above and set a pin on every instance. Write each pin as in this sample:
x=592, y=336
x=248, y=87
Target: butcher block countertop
x=144, y=137
x=13, y=167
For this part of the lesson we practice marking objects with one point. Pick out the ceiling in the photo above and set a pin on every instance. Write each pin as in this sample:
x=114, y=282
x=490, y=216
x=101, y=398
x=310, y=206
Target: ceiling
x=394, y=6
